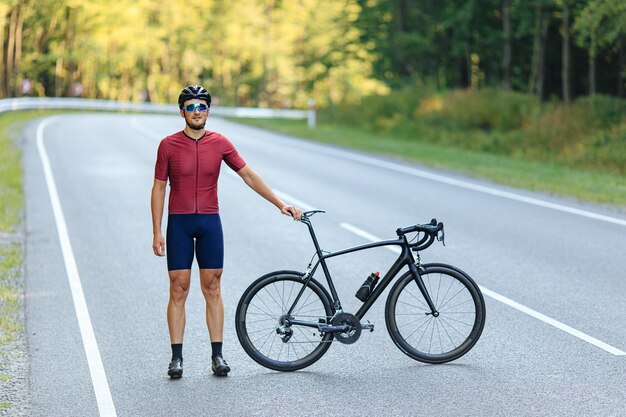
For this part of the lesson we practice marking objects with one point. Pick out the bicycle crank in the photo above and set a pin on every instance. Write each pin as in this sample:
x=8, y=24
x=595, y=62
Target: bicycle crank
x=346, y=328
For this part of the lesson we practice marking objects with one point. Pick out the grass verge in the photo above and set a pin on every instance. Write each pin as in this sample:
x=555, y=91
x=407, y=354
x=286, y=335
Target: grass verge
x=11, y=248
x=586, y=185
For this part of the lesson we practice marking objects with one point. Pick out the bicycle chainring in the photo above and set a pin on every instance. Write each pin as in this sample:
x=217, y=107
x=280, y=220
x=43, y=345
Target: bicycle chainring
x=353, y=334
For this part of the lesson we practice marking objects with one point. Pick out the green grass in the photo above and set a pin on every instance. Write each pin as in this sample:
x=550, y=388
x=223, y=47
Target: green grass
x=587, y=185
x=4, y=405
x=11, y=206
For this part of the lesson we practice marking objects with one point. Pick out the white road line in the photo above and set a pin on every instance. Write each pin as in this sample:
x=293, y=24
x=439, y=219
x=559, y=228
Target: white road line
x=96, y=368
x=284, y=196
x=454, y=182
x=367, y=236
x=438, y=178
x=470, y=186
x=526, y=310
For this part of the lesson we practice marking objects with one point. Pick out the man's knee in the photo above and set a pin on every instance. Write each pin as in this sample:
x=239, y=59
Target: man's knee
x=179, y=288
x=211, y=286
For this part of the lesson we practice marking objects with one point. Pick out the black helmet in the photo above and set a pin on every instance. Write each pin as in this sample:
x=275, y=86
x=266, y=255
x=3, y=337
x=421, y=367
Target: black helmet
x=193, y=91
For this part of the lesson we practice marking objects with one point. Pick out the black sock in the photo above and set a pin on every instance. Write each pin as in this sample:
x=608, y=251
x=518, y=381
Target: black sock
x=217, y=349
x=177, y=351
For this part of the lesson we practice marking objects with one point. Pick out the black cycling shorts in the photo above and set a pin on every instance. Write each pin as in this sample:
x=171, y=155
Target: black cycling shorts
x=206, y=230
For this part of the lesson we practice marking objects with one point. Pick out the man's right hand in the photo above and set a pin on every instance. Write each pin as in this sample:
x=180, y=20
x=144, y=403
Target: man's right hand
x=158, y=244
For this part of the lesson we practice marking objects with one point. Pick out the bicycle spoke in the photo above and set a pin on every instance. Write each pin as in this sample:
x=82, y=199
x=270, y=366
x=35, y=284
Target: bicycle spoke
x=459, y=292
x=417, y=299
x=456, y=305
x=449, y=337
x=272, y=297
x=273, y=328
x=270, y=333
x=261, y=310
x=260, y=320
x=304, y=303
x=453, y=328
x=411, y=322
x=410, y=305
x=414, y=331
x=458, y=321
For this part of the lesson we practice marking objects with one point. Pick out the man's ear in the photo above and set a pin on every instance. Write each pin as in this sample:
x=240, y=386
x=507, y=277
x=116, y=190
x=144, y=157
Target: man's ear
x=182, y=113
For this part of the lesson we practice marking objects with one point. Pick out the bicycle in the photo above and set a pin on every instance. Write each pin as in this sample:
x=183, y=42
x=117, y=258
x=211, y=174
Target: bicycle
x=435, y=313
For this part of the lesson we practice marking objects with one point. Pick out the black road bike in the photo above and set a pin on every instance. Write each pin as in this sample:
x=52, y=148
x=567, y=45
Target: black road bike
x=435, y=313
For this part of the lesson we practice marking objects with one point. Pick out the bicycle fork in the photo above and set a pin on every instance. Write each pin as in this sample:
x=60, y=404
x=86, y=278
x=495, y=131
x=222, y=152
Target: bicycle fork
x=420, y=284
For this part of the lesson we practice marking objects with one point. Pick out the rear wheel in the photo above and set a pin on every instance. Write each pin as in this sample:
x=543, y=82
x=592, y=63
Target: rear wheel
x=264, y=329
x=421, y=335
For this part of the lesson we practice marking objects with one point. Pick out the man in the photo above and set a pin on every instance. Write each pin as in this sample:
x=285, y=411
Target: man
x=191, y=160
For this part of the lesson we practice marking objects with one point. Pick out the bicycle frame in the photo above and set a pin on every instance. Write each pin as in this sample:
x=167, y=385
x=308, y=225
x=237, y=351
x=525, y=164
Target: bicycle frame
x=404, y=259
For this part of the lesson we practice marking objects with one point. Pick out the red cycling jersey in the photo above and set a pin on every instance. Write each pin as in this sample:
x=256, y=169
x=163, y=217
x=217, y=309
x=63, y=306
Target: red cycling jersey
x=193, y=167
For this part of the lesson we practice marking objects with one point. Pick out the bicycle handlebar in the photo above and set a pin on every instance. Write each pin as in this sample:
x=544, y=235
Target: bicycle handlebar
x=433, y=230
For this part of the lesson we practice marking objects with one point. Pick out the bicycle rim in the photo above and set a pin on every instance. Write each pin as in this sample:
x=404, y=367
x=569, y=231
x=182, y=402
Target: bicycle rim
x=259, y=315
x=435, y=339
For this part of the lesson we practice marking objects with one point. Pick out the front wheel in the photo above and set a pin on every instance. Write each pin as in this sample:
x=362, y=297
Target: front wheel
x=265, y=331
x=421, y=335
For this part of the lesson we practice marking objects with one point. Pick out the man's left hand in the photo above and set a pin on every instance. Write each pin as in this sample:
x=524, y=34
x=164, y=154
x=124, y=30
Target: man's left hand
x=292, y=211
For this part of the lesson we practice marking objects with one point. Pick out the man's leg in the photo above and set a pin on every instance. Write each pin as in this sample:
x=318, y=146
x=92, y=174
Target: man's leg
x=211, y=289
x=210, y=282
x=179, y=289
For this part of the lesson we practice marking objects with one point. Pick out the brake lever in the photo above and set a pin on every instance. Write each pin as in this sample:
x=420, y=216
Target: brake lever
x=441, y=235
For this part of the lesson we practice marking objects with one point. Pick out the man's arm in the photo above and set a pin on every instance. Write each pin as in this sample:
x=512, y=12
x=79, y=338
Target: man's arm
x=157, y=202
x=258, y=184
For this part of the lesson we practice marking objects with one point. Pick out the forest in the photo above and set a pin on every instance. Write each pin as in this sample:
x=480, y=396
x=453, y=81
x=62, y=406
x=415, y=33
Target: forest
x=280, y=53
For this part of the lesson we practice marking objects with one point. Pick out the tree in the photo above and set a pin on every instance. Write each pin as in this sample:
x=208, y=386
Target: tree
x=565, y=53
x=601, y=24
x=506, y=35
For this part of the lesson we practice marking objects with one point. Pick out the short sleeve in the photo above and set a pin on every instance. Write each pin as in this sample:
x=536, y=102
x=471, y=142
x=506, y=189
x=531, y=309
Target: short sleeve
x=162, y=166
x=231, y=156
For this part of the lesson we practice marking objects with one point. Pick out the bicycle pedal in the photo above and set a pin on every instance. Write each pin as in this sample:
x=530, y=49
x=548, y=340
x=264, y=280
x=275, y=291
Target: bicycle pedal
x=368, y=326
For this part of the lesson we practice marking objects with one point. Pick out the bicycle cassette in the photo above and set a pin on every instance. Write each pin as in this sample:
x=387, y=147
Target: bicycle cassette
x=350, y=336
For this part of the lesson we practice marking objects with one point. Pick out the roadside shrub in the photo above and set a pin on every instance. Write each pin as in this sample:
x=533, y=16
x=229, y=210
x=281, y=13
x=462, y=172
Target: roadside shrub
x=490, y=109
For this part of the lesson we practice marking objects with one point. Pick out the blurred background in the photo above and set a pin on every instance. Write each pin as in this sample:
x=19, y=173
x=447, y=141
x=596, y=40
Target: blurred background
x=539, y=80
x=279, y=53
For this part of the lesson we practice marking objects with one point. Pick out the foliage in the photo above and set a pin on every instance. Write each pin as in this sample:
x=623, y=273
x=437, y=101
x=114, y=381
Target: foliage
x=600, y=24
x=280, y=53
x=590, y=133
x=262, y=52
x=589, y=185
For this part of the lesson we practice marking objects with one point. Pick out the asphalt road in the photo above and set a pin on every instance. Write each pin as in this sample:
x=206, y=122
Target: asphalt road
x=564, y=266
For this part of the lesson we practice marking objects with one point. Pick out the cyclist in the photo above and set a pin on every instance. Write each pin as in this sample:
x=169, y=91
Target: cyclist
x=191, y=160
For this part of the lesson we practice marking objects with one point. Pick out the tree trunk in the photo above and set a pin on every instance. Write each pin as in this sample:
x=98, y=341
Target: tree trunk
x=8, y=68
x=506, y=30
x=18, y=47
x=545, y=22
x=592, y=65
x=397, y=29
x=3, y=23
x=565, y=56
x=534, y=65
x=58, y=80
x=269, y=8
x=620, y=68
x=462, y=71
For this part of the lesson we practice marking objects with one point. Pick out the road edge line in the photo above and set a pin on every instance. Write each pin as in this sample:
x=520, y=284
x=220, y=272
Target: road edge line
x=99, y=381
x=520, y=307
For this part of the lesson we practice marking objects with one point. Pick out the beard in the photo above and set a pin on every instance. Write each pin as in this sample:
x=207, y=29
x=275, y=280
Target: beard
x=195, y=125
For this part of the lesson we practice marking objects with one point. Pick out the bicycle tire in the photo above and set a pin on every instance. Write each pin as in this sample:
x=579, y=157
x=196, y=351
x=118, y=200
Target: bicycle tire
x=259, y=311
x=452, y=333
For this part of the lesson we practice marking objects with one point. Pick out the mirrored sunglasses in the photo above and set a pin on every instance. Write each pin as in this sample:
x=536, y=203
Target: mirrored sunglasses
x=193, y=106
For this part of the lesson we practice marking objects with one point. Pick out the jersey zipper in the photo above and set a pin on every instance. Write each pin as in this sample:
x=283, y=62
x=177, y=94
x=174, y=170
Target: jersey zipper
x=197, y=168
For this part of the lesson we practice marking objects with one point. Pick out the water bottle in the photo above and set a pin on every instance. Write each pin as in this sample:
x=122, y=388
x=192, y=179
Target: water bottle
x=368, y=286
